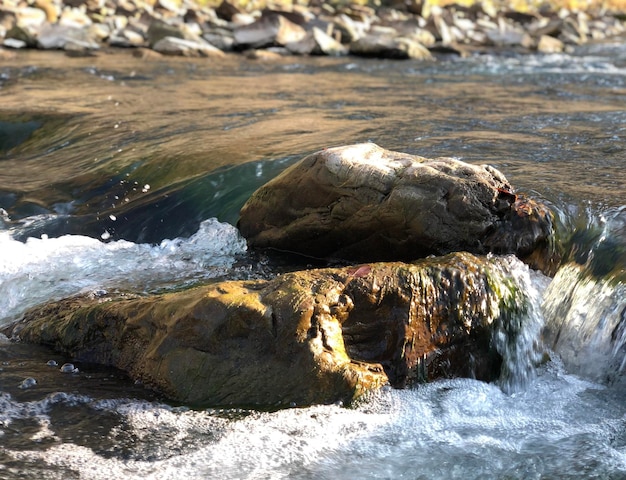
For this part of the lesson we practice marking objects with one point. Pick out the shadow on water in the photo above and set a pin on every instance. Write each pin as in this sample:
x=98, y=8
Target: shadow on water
x=178, y=212
x=173, y=211
x=30, y=132
x=14, y=133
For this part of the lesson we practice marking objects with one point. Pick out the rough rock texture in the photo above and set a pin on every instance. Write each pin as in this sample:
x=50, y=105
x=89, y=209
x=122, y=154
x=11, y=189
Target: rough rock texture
x=365, y=203
x=313, y=336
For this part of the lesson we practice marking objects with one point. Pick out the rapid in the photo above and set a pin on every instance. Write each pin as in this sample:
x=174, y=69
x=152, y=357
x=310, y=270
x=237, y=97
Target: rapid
x=118, y=174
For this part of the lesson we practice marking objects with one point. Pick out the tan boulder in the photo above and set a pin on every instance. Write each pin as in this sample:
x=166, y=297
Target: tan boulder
x=365, y=203
x=315, y=336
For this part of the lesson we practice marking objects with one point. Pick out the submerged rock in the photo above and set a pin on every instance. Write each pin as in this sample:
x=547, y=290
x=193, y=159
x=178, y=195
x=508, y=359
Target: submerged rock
x=365, y=203
x=315, y=336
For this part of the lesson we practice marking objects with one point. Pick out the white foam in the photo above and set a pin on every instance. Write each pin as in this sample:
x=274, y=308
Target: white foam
x=44, y=269
x=448, y=429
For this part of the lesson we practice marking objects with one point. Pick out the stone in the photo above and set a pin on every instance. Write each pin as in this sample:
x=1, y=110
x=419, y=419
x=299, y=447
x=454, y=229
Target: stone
x=305, y=46
x=57, y=36
x=74, y=17
x=364, y=203
x=7, y=21
x=226, y=10
x=159, y=30
x=29, y=17
x=445, y=32
x=19, y=37
x=547, y=44
x=271, y=29
x=350, y=30
x=49, y=8
x=187, y=48
x=388, y=46
x=314, y=336
x=220, y=38
x=127, y=37
x=327, y=44
x=507, y=34
x=423, y=36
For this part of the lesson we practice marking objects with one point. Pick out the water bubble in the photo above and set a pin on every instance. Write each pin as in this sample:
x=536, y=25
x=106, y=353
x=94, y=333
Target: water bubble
x=52, y=363
x=27, y=383
x=68, y=368
x=106, y=235
x=113, y=217
x=145, y=188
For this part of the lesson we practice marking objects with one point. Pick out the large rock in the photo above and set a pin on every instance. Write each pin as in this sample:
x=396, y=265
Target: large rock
x=307, y=337
x=365, y=203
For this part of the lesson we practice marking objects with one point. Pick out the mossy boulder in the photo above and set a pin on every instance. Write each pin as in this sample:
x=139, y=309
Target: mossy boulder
x=306, y=337
x=364, y=203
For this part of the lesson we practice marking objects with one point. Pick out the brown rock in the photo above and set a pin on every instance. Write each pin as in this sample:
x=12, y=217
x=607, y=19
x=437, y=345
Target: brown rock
x=547, y=44
x=227, y=10
x=270, y=29
x=389, y=46
x=327, y=44
x=314, y=336
x=48, y=7
x=186, y=48
x=159, y=30
x=365, y=203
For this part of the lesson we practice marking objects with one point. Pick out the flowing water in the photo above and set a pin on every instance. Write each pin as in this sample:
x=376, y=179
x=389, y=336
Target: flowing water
x=125, y=174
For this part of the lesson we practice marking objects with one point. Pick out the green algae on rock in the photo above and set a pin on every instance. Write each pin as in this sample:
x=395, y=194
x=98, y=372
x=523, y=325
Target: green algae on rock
x=315, y=336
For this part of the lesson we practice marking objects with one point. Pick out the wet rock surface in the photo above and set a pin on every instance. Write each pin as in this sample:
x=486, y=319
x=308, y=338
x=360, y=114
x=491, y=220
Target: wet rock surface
x=364, y=203
x=314, y=336
x=391, y=30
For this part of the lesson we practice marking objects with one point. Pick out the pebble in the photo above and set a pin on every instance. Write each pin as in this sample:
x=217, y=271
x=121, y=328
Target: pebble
x=411, y=29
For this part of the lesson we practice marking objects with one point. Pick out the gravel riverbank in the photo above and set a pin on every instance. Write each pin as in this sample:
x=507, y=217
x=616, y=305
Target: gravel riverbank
x=393, y=30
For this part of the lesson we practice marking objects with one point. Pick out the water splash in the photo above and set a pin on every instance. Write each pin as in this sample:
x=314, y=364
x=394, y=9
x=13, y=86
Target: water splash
x=585, y=306
x=517, y=334
x=586, y=323
x=44, y=269
x=457, y=429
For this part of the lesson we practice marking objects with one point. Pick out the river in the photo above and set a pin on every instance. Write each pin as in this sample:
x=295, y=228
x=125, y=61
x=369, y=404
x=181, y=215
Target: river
x=118, y=173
